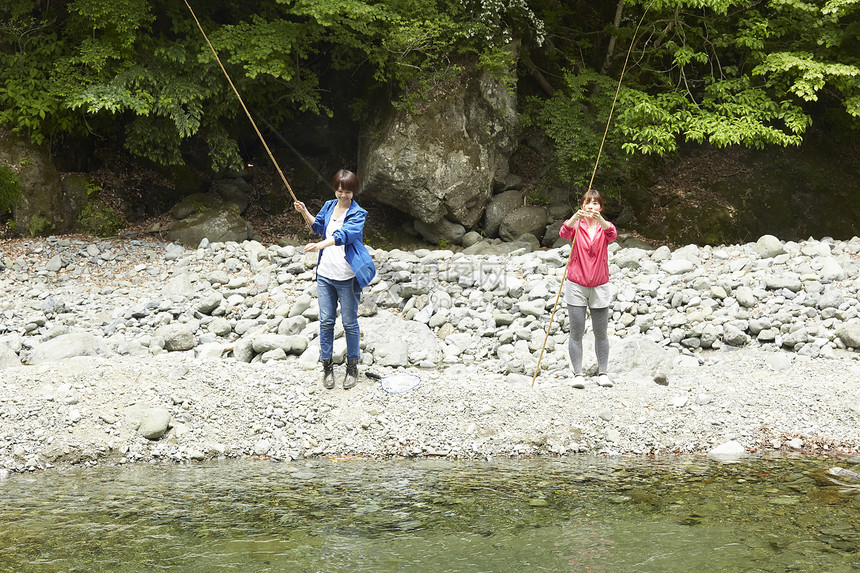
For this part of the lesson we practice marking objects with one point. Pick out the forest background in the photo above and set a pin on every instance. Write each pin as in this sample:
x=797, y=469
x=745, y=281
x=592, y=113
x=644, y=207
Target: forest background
x=725, y=105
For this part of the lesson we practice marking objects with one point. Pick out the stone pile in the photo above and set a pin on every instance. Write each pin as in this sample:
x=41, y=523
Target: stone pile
x=136, y=351
x=426, y=308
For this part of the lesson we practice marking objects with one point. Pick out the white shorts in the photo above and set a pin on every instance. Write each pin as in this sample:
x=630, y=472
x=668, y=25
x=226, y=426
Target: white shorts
x=592, y=297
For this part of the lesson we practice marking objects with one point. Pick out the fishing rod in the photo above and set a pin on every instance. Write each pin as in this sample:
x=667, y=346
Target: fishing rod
x=251, y=119
x=590, y=182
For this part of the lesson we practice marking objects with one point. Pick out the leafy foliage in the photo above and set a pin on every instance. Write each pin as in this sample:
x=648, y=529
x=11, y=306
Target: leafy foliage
x=100, y=220
x=574, y=118
x=10, y=189
x=29, y=100
x=721, y=72
x=718, y=72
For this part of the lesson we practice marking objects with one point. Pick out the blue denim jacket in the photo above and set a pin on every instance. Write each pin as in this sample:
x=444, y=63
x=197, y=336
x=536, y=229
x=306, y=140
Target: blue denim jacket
x=350, y=235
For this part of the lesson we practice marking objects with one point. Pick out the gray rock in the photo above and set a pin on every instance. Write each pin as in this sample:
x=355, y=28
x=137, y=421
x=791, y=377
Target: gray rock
x=194, y=203
x=236, y=191
x=8, y=357
x=779, y=362
x=209, y=302
x=677, y=266
x=220, y=224
x=445, y=167
x=262, y=447
x=788, y=281
x=532, y=308
x=149, y=422
x=768, y=247
x=471, y=238
x=728, y=450
x=521, y=221
x=630, y=258
x=243, y=350
x=831, y=270
x=831, y=298
x=220, y=327
x=441, y=230
x=301, y=304
x=734, y=336
x=745, y=297
x=498, y=208
x=68, y=346
x=179, y=285
x=55, y=264
x=638, y=355
x=177, y=337
x=293, y=325
x=395, y=342
x=849, y=333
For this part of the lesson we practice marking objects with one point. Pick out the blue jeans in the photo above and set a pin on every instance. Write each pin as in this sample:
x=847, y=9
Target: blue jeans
x=349, y=293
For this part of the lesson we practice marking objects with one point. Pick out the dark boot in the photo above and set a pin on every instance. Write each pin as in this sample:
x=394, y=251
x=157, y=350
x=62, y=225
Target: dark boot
x=351, y=373
x=328, y=373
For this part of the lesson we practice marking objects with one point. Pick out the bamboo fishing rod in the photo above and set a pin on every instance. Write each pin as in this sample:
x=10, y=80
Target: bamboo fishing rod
x=590, y=182
x=248, y=113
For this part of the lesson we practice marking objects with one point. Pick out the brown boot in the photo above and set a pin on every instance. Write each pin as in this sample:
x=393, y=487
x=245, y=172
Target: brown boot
x=351, y=373
x=328, y=373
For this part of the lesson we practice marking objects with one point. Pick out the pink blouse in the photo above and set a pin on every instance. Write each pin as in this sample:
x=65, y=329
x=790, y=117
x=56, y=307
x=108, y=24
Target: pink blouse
x=589, y=265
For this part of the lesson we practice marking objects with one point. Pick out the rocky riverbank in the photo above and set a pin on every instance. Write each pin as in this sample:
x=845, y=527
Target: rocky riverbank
x=132, y=350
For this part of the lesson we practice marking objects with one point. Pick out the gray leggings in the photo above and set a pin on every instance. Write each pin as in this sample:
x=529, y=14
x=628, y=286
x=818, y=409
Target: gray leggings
x=599, y=322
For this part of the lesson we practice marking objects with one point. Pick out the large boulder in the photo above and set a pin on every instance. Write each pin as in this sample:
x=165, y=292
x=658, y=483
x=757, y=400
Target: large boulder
x=441, y=160
x=398, y=342
x=221, y=224
x=523, y=220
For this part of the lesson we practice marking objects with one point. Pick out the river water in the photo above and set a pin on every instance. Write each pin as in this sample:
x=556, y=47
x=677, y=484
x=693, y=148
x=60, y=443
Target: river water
x=576, y=514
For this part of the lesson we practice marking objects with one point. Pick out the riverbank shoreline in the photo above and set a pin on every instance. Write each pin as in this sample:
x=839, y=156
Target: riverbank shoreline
x=94, y=378
x=222, y=409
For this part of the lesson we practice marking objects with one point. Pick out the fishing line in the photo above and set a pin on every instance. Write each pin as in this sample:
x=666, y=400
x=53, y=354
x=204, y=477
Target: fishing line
x=590, y=182
x=235, y=91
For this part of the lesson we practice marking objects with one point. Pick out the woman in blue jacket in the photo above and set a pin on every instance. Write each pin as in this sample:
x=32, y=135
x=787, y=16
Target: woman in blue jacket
x=344, y=267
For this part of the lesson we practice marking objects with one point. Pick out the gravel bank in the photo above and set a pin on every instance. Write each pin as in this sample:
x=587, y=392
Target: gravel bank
x=136, y=351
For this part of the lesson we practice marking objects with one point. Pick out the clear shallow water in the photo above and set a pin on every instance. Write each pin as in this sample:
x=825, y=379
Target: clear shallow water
x=582, y=514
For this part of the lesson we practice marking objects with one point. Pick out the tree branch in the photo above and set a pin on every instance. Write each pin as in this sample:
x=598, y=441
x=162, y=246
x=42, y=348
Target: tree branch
x=610, y=51
x=538, y=75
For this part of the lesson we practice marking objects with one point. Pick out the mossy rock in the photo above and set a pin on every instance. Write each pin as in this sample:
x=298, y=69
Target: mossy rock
x=39, y=211
x=196, y=203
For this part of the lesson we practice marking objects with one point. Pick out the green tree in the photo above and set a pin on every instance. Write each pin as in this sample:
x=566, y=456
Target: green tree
x=722, y=72
x=140, y=70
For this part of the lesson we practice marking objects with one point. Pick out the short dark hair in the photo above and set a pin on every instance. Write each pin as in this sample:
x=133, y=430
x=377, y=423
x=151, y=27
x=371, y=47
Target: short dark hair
x=346, y=180
x=592, y=193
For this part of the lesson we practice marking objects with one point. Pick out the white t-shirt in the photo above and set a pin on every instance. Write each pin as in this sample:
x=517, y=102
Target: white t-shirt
x=333, y=265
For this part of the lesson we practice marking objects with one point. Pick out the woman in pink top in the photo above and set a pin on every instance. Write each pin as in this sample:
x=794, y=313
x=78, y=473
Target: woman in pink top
x=587, y=283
